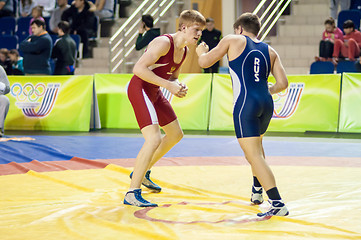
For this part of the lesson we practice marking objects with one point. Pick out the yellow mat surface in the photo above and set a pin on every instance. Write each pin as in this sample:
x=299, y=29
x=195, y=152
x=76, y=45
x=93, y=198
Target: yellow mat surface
x=202, y=202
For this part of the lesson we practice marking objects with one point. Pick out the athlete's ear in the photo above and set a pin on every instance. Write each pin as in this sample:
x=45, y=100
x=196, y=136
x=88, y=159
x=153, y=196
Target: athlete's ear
x=238, y=30
x=183, y=27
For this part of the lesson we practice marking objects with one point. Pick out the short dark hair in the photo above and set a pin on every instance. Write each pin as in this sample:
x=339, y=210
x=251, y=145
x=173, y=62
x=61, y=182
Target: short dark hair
x=209, y=20
x=249, y=22
x=39, y=23
x=64, y=26
x=330, y=21
x=148, y=20
x=14, y=51
x=348, y=24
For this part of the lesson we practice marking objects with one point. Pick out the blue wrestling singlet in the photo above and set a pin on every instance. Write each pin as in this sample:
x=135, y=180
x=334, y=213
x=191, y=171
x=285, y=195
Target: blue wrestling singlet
x=253, y=104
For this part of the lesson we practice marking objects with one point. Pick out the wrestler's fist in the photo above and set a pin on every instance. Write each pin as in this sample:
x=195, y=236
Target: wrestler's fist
x=202, y=48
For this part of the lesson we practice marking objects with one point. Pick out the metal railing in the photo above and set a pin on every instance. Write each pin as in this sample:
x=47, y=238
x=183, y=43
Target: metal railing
x=122, y=43
x=279, y=9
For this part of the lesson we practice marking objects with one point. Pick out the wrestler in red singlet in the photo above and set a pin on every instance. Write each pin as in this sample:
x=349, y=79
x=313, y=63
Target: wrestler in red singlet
x=156, y=68
x=149, y=104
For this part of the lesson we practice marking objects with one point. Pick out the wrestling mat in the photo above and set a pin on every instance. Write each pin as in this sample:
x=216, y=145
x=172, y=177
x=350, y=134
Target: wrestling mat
x=72, y=187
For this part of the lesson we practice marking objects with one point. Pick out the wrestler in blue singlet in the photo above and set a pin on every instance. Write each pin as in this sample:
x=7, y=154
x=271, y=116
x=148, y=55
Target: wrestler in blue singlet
x=253, y=104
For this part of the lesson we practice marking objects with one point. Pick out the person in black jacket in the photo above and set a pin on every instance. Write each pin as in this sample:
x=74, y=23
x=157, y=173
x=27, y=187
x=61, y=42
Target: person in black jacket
x=37, y=50
x=211, y=37
x=81, y=18
x=64, y=51
x=150, y=32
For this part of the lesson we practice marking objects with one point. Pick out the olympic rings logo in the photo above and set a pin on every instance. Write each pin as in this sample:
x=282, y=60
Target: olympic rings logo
x=28, y=91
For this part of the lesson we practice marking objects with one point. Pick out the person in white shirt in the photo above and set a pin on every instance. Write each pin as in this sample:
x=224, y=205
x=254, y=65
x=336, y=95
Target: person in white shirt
x=104, y=8
x=25, y=7
x=4, y=100
x=55, y=17
x=48, y=5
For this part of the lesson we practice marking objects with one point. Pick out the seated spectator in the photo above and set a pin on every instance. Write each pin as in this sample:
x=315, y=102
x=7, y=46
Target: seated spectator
x=17, y=62
x=37, y=50
x=104, y=8
x=81, y=19
x=328, y=39
x=350, y=47
x=4, y=101
x=48, y=6
x=26, y=7
x=146, y=32
x=7, y=8
x=36, y=13
x=55, y=17
x=64, y=51
x=5, y=60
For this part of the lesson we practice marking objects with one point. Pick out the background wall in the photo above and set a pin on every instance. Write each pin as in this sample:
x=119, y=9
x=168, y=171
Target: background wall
x=209, y=8
x=311, y=103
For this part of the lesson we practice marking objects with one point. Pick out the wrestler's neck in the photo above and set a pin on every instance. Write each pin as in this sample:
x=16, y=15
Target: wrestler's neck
x=250, y=35
x=179, y=40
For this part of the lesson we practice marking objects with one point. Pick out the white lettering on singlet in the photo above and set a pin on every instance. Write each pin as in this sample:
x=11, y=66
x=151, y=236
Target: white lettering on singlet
x=256, y=69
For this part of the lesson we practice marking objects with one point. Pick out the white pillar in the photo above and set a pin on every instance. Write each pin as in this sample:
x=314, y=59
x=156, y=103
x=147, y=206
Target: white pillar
x=228, y=18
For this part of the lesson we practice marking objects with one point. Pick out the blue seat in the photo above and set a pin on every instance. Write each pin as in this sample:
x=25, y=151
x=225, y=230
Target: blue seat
x=23, y=24
x=7, y=25
x=76, y=38
x=9, y=42
x=52, y=65
x=47, y=24
x=322, y=68
x=346, y=66
x=53, y=37
x=345, y=15
x=22, y=35
x=355, y=5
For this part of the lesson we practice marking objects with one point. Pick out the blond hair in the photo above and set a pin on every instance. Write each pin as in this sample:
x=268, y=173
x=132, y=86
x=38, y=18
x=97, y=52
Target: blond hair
x=189, y=17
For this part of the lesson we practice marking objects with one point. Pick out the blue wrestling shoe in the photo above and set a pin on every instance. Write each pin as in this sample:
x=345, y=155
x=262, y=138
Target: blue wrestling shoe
x=135, y=198
x=278, y=208
x=148, y=183
x=256, y=197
